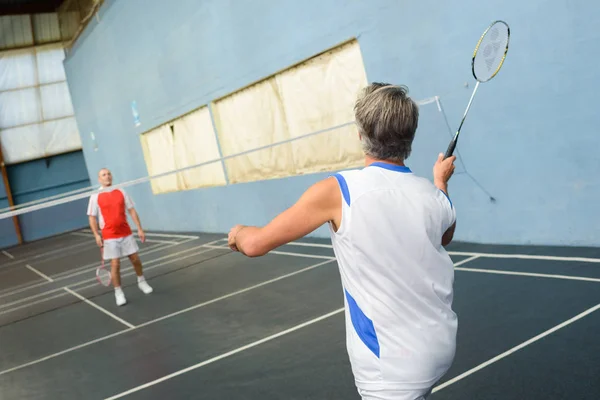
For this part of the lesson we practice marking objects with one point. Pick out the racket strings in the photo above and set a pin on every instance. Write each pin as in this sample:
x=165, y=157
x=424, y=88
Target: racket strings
x=491, y=52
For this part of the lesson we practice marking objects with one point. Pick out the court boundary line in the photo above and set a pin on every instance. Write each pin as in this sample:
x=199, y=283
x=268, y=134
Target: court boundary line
x=164, y=317
x=531, y=274
x=229, y=353
x=63, y=275
x=473, y=256
x=86, y=268
x=7, y=254
x=39, y=273
x=101, y=309
x=487, y=255
x=516, y=348
x=76, y=285
x=52, y=255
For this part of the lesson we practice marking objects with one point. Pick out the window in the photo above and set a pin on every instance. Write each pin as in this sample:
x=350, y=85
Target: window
x=36, y=113
x=187, y=141
x=316, y=95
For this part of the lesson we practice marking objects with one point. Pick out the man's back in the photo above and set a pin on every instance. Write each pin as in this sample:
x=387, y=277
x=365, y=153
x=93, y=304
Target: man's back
x=397, y=277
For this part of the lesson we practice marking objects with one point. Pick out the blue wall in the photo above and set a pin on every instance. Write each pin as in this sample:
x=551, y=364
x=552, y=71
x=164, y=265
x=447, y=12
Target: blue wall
x=40, y=179
x=530, y=138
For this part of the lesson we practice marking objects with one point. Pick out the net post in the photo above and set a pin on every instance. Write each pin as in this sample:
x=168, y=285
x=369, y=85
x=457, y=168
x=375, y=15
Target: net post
x=11, y=203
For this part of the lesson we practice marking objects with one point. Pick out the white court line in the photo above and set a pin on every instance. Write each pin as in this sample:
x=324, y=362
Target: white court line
x=63, y=275
x=35, y=256
x=538, y=275
x=96, y=306
x=7, y=254
x=527, y=256
x=48, y=357
x=91, y=235
x=228, y=354
x=488, y=255
x=466, y=260
x=90, y=267
x=516, y=348
x=168, y=235
x=46, y=277
x=283, y=253
x=76, y=284
x=300, y=271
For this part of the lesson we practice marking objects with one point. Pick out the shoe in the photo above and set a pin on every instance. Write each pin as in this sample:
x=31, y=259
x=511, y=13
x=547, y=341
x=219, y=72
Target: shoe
x=120, y=297
x=144, y=287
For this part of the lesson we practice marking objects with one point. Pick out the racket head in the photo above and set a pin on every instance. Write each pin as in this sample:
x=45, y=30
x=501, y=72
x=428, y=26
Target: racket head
x=102, y=274
x=490, y=52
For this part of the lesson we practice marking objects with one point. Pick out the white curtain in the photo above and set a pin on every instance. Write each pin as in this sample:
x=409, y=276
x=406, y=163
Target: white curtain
x=195, y=143
x=315, y=95
x=157, y=146
x=185, y=142
x=36, y=112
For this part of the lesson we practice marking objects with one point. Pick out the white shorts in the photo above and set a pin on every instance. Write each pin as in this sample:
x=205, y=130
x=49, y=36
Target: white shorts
x=409, y=394
x=121, y=247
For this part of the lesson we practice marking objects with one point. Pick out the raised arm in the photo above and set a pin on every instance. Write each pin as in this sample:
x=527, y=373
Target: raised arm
x=442, y=172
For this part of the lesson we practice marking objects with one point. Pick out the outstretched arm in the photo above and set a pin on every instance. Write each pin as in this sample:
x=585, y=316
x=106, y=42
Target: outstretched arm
x=320, y=204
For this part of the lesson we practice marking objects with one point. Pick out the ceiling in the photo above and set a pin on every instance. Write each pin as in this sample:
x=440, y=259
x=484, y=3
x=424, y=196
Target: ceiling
x=13, y=7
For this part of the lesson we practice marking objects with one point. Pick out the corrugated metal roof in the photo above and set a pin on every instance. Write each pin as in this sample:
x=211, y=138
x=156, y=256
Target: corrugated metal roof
x=46, y=28
x=15, y=31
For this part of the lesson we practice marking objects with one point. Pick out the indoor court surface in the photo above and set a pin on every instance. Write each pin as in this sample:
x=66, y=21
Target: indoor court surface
x=222, y=326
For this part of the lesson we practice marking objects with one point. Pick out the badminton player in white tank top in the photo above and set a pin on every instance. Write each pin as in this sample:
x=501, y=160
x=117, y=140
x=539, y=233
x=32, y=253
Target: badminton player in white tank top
x=388, y=229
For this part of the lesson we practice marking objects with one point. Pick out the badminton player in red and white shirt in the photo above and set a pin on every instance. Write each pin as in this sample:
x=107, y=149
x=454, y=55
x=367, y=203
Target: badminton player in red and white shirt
x=109, y=207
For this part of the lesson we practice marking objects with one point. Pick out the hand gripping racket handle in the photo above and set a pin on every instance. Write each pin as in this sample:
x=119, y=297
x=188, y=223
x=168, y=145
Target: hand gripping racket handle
x=451, y=147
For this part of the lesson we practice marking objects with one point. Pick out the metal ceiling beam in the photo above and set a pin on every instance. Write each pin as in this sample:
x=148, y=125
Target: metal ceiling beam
x=19, y=7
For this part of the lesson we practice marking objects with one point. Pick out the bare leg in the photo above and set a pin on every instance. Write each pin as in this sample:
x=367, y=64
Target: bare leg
x=137, y=263
x=115, y=271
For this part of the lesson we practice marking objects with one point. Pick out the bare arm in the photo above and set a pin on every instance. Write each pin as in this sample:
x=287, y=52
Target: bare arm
x=448, y=235
x=138, y=224
x=94, y=227
x=442, y=172
x=320, y=204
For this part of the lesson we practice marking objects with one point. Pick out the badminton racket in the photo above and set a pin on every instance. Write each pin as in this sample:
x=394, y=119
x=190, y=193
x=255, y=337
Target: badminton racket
x=103, y=274
x=486, y=62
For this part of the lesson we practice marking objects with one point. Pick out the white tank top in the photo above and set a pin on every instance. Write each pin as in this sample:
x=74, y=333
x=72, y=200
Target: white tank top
x=397, y=277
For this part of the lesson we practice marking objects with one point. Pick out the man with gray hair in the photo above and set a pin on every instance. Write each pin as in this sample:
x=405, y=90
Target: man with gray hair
x=388, y=228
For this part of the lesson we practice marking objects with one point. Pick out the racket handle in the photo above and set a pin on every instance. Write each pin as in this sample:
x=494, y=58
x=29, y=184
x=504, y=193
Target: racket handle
x=450, y=149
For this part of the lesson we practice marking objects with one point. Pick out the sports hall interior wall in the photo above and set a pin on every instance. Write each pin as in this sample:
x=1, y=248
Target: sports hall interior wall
x=530, y=138
x=39, y=179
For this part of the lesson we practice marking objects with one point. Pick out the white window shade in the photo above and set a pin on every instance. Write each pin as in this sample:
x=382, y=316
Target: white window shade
x=316, y=95
x=17, y=69
x=157, y=146
x=56, y=101
x=252, y=118
x=36, y=112
x=320, y=94
x=195, y=143
x=50, y=64
x=39, y=140
x=19, y=107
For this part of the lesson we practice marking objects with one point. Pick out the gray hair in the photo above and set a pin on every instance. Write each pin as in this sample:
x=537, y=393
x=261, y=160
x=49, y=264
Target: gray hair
x=387, y=120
